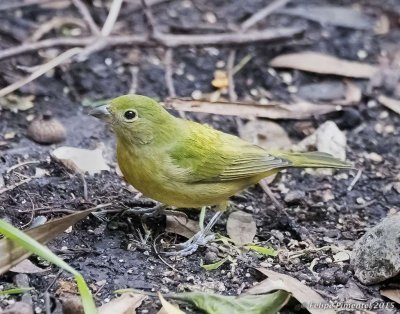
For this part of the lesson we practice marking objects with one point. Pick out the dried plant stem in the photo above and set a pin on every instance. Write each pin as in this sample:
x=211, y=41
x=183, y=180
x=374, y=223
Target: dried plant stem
x=41, y=70
x=111, y=18
x=84, y=11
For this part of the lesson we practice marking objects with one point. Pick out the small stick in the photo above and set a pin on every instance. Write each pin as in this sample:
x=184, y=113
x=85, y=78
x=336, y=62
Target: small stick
x=9, y=6
x=262, y=14
x=15, y=185
x=40, y=71
x=168, y=72
x=134, y=70
x=149, y=18
x=111, y=17
x=85, y=188
x=22, y=164
x=84, y=11
x=166, y=40
x=267, y=190
x=355, y=180
x=230, y=70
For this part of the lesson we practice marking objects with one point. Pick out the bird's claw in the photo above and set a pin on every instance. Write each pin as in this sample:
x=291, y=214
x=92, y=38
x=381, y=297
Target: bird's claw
x=191, y=245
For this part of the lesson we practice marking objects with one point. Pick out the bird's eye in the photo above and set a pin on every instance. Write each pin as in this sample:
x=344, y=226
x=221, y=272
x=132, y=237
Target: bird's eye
x=130, y=115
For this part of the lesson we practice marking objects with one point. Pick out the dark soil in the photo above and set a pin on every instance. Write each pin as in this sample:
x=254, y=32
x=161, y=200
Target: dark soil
x=112, y=255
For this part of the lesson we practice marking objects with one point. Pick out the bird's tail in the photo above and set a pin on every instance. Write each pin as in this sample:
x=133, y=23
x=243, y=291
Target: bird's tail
x=314, y=160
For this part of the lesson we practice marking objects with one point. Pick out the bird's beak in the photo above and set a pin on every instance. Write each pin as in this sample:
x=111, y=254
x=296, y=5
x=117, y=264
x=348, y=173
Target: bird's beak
x=101, y=112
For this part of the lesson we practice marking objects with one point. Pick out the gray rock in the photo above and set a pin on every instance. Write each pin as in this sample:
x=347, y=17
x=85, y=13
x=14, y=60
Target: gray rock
x=294, y=197
x=376, y=255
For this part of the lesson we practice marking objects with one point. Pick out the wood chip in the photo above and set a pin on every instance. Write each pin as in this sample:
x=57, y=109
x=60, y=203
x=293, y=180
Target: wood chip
x=324, y=64
x=391, y=103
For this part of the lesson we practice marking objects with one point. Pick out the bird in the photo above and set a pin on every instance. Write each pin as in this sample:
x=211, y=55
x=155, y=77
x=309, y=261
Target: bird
x=184, y=164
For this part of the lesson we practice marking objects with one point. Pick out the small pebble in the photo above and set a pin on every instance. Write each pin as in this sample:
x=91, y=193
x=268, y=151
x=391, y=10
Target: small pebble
x=294, y=197
x=341, y=278
x=197, y=95
x=375, y=157
x=396, y=187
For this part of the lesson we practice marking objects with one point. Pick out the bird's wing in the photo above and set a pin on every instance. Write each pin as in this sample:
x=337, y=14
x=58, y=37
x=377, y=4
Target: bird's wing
x=207, y=155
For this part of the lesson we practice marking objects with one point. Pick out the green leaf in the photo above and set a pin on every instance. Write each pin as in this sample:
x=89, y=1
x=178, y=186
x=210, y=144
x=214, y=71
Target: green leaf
x=262, y=250
x=249, y=304
x=15, y=291
x=214, y=266
x=28, y=243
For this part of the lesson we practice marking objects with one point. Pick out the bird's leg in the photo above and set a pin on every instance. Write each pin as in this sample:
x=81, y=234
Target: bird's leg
x=200, y=238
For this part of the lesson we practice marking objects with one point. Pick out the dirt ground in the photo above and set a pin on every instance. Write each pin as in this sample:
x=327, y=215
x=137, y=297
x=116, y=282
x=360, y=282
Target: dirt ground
x=111, y=255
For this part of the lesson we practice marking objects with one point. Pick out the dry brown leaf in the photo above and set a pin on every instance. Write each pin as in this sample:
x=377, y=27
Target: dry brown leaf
x=11, y=255
x=324, y=64
x=275, y=110
x=241, y=228
x=353, y=95
x=264, y=133
x=168, y=307
x=392, y=294
x=125, y=304
x=182, y=226
x=276, y=281
x=391, y=103
x=27, y=267
x=81, y=160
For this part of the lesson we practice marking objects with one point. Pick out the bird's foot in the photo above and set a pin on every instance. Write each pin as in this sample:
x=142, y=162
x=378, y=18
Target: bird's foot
x=190, y=246
x=201, y=238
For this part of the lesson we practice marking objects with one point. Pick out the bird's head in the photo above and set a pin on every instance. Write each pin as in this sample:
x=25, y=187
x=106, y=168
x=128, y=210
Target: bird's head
x=135, y=119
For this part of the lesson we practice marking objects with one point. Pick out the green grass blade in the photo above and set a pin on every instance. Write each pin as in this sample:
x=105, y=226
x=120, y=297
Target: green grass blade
x=15, y=291
x=35, y=247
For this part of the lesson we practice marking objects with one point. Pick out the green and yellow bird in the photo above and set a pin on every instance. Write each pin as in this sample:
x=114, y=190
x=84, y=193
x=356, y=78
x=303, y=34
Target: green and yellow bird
x=185, y=164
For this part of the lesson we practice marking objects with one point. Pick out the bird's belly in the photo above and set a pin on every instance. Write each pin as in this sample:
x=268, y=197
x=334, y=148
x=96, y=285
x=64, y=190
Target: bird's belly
x=146, y=179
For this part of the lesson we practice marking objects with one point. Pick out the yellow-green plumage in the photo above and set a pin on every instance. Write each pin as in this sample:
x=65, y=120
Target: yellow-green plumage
x=186, y=164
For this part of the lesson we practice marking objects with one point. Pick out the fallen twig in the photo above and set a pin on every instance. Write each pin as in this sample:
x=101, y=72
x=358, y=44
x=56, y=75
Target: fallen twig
x=16, y=5
x=111, y=17
x=264, y=185
x=169, y=72
x=15, y=185
x=166, y=40
x=230, y=71
x=84, y=11
x=262, y=14
x=355, y=180
x=29, y=162
x=40, y=71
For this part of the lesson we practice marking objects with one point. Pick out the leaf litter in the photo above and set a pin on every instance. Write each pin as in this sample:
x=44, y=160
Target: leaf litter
x=321, y=63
